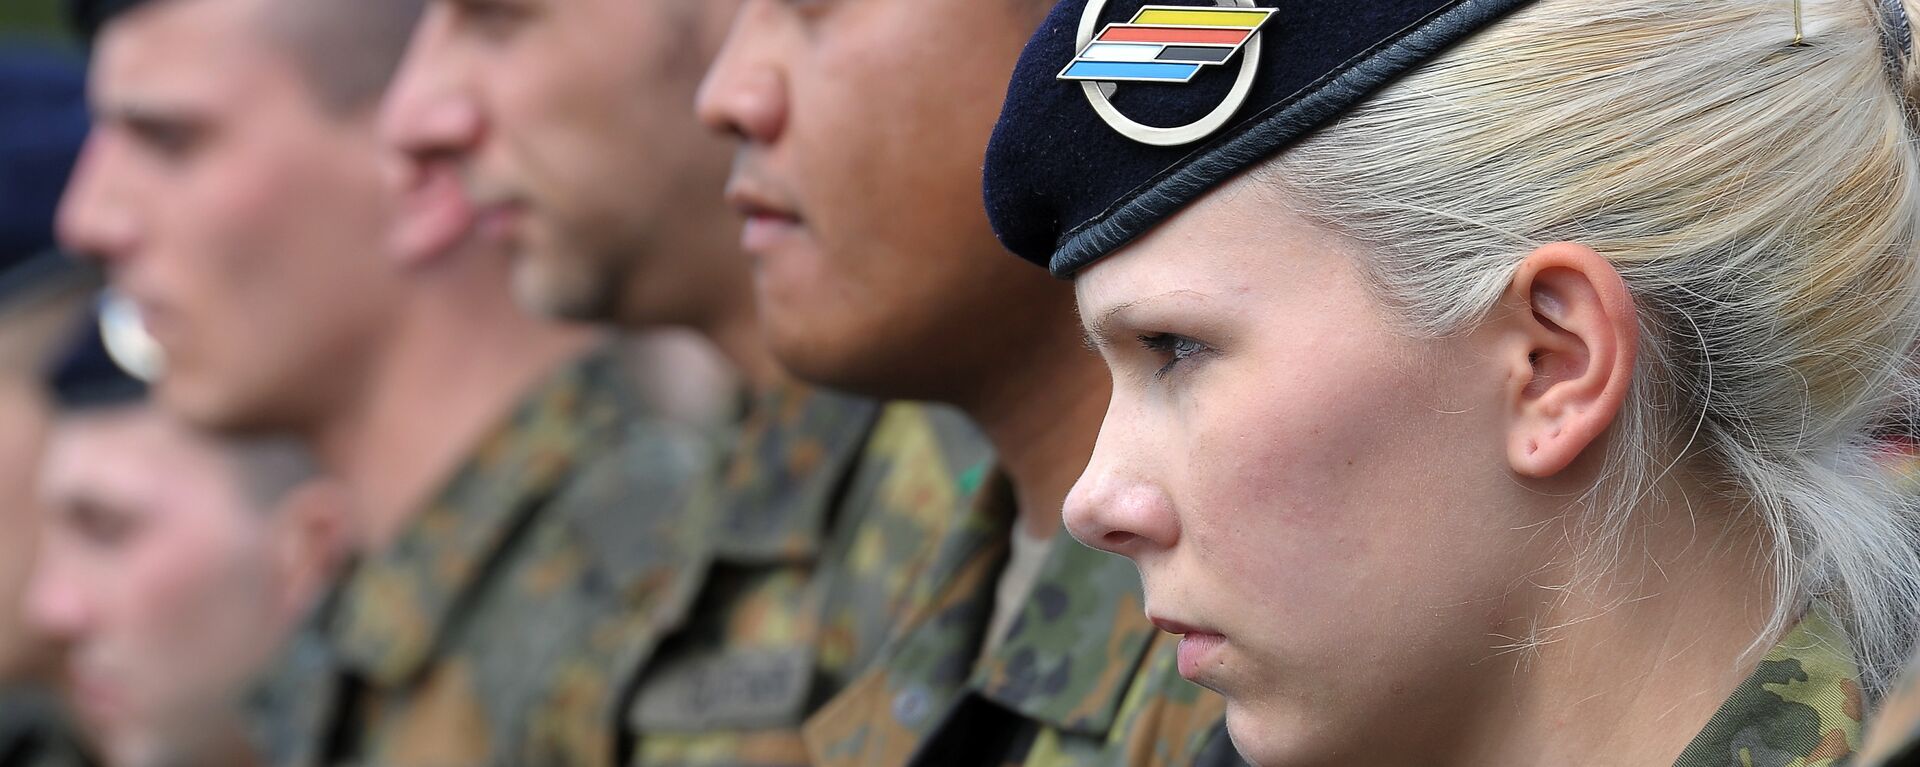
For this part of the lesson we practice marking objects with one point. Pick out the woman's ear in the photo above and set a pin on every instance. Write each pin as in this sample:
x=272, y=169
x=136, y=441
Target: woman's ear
x=1571, y=340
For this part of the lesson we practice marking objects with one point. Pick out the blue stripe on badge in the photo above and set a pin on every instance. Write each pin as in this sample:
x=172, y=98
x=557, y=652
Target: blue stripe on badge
x=1127, y=70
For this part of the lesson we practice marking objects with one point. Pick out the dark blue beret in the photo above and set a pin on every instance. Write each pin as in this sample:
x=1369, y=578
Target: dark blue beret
x=1123, y=112
x=85, y=375
x=22, y=280
x=43, y=121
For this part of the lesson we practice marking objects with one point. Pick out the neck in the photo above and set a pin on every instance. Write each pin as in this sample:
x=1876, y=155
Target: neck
x=735, y=331
x=451, y=369
x=1636, y=674
x=1042, y=413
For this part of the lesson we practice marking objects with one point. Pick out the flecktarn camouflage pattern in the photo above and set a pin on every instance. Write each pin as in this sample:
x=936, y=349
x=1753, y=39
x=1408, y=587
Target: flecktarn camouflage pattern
x=460, y=644
x=1801, y=708
x=824, y=516
x=1082, y=678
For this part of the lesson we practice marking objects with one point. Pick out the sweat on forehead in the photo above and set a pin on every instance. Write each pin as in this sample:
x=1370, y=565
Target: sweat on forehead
x=347, y=50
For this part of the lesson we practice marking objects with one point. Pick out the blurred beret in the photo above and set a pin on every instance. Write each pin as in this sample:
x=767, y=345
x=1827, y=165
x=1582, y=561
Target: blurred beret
x=1122, y=112
x=43, y=121
x=88, y=16
x=23, y=280
x=85, y=376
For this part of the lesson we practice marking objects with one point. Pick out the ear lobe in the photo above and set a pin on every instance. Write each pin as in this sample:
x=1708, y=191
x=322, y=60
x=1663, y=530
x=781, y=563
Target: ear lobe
x=1580, y=335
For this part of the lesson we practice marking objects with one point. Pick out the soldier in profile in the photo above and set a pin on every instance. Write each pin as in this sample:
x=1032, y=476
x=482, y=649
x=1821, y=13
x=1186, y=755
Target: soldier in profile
x=511, y=491
x=570, y=122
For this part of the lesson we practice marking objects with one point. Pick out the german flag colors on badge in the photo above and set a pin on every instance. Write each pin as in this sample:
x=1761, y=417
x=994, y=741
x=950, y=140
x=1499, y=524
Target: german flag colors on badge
x=1166, y=44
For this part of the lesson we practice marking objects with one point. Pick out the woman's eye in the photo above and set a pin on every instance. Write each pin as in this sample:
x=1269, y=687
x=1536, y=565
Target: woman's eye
x=1174, y=349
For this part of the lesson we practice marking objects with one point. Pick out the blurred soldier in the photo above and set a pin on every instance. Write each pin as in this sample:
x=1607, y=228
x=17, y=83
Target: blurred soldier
x=175, y=565
x=859, y=171
x=571, y=122
x=511, y=493
x=42, y=121
x=39, y=302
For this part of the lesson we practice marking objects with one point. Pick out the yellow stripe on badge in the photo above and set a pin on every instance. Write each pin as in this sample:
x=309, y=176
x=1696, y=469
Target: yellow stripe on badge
x=1201, y=17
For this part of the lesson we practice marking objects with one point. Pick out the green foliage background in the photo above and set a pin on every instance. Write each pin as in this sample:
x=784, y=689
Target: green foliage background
x=33, y=18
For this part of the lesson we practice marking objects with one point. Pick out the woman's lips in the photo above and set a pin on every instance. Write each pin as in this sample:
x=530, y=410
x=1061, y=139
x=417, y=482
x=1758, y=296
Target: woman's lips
x=1197, y=651
x=1198, y=647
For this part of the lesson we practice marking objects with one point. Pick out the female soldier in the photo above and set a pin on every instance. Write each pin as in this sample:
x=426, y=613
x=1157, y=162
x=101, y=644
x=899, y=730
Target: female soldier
x=1492, y=379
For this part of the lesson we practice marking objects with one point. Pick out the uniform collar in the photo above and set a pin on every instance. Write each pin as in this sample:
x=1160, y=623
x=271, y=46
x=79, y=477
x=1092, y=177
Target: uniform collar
x=396, y=605
x=1073, y=653
x=772, y=500
x=1804, y=700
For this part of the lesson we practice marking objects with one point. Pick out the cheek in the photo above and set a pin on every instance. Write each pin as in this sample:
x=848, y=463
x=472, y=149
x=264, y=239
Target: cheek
x=1336, y=485
x=227, y=223
x=811, y=307
x=1276, y=488
x=895, y=141
x=1308, y=439
x=315, y=260
x=161, y=591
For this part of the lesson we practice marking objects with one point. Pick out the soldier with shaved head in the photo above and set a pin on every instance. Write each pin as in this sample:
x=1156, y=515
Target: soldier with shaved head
x=512, y=492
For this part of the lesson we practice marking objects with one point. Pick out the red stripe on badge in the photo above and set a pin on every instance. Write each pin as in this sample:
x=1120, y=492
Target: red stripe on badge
x=1121, y=33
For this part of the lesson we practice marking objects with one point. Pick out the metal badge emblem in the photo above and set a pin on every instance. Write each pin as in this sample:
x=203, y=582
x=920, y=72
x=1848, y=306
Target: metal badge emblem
x=126, y=338
x=1167, y=44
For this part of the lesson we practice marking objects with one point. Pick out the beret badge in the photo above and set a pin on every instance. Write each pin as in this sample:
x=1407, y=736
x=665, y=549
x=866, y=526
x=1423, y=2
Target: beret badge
x=1167, y=44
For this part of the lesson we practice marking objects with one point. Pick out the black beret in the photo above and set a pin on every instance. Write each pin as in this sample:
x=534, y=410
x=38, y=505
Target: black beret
x=1123, y=112
x=43, y=121
x=24, y=280
x=89, y=16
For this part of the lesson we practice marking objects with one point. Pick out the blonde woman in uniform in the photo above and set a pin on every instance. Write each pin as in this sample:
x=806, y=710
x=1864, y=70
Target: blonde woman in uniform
x=1493, y=383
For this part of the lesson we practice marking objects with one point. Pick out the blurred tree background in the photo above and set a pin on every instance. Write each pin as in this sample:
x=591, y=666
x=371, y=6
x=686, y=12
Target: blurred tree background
x=31, y=18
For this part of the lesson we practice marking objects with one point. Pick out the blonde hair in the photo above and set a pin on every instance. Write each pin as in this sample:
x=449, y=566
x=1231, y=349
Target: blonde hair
x=1760, y=198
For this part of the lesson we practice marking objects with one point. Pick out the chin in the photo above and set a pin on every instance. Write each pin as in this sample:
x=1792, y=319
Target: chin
x=200, y=406
x=544, y=283
x=1267, y=739
x=874, y=361
x=828, y=360
x=223, y=411
x=137, y=751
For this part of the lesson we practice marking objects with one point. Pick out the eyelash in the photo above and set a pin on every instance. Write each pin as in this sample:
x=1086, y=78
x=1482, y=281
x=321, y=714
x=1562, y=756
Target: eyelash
x=1176, y=349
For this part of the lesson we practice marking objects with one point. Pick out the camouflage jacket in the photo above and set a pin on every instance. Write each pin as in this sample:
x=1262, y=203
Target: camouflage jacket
x=823, y=518
x=1801, y=708
x=1081, y=679
x=34, y=732
x=463, y=643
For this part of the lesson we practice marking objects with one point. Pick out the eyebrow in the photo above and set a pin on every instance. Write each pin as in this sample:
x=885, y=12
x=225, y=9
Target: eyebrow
x=1099, y=328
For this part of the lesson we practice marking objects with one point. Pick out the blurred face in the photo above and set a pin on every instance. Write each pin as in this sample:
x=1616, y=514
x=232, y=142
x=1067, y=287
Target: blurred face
x=863, y=125
x=1318, y=502
x=571, y=122
x=244, y=221
x=162, y=576
x=23, y=424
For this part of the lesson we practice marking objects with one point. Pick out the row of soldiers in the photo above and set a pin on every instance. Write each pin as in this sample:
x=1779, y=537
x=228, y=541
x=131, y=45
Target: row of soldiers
x=421, y=474
x=395, y=270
